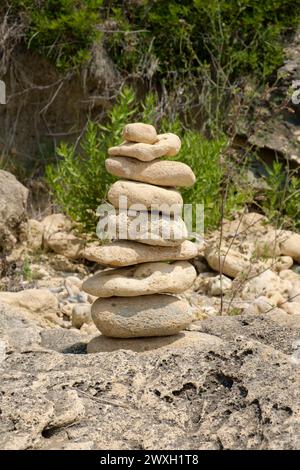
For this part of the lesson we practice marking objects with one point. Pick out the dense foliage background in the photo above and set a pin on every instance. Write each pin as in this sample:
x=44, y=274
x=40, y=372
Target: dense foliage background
x=195, y=66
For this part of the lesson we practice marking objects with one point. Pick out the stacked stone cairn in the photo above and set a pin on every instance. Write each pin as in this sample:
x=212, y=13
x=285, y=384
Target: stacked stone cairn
x=137, y=297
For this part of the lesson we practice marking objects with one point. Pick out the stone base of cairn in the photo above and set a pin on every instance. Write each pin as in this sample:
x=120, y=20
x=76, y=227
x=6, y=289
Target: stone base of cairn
x=137, y=298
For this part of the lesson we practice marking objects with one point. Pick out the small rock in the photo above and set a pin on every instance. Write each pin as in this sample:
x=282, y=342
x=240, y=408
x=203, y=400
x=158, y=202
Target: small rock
x=68, y=408
x=55, y=223
x=73, y=285
x=81, y=313
x=61, y=263
x=219, y=285
x=33, y=234
x=13, y=201
x=139, y=132
x=185, y=339
x=127, y=253
x=292, y=308
x=228, y=261
x=58, y=238
x=166, y=145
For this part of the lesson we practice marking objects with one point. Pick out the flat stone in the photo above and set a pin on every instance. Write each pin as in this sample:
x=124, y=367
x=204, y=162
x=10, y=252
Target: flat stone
x=167, y=145
x=145, y=196
x=156, y=315
x=185, y=339
x=160, y=172
x=139, y=132
x=127, y=253
x=151, y=229
x=228, y=261
x=143, y=279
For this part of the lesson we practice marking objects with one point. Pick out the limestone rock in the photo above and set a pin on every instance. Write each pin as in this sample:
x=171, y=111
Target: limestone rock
x=139, y=132
x=17, y=332
x=144, y=227
x=185, y=339
x=218, y=285
x=157, y=315
x=68, y=408
x=13, y=202
x=54, y=223
x=153, y=400
x=159, y=172
x=127, y=253
x=229, y=262
x=290, y=246
x=57, y=236
x=147, y=195
x=143, y=279
x=66, y=244
x=293, y=308
x=39, y=302
x=283, y=262
x=81, y=313
x=167, y=145
x=279, y=242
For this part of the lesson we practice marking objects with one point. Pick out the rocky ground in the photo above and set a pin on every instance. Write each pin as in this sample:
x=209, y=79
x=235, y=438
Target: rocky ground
x=233, y=383
x=230, y=382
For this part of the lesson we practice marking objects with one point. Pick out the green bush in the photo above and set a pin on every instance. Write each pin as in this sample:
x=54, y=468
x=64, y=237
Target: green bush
x=281, y=198
x=178, y=38
x=79, y=181
x=62, y=30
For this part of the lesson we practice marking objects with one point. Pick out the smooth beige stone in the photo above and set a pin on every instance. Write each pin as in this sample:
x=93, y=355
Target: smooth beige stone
x=142, y=279
x=185, y=339
x=171, y=140
x=290, y=246
x=156, y=315
x=160, y=172
x=145, y=195
x=139, y=132
x=167, y=145
x=228, y=262
x=81, y=313
x=151, y=229
x=127, y=253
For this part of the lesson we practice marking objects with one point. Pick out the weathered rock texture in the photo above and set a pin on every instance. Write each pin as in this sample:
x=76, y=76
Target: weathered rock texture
x=241, y=391
x=13, y=201
x=127, y=253
x=142, y=279
x=167, y=145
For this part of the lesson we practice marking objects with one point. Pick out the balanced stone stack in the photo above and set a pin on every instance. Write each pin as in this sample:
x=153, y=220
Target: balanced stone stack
x=138, y=298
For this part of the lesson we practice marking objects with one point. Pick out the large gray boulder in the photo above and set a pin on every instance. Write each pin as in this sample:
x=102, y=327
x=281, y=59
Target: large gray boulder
x=13, y=201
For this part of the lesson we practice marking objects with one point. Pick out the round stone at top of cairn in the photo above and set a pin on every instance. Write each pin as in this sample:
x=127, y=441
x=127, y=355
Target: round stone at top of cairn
x=148, y=266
